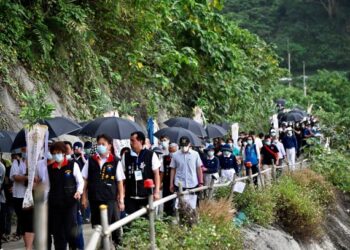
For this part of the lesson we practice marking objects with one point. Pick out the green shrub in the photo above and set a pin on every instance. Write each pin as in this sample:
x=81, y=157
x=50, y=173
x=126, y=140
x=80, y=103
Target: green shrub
x=315, y=184
x=297, y=211
x=334, y=166
x=258, y=205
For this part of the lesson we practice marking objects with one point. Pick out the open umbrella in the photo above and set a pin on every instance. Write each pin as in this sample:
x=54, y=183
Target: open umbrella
x=6, y=140
x=224, y=125
x=57, y=126
x=175, y=133
x=214, y=131
x=187, y=123
x=115, y=127
x=77, y=132
x=292, y=117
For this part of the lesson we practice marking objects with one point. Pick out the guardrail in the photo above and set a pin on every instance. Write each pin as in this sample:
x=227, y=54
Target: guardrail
x=106, y=230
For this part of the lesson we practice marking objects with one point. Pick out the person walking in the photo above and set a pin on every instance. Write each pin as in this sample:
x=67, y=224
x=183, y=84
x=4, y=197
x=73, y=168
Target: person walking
x=186, y=168
x=291, y=145
x=139, y=165
x=65, y=189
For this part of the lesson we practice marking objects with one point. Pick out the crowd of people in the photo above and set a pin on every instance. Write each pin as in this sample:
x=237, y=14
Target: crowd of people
x=78, y=177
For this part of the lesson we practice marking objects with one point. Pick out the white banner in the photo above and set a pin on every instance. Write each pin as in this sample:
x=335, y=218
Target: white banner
x=35, y=139
x=234, y=133
x=275, y=123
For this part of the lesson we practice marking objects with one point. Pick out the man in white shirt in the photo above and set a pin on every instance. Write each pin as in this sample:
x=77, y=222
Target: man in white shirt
x=186, y=168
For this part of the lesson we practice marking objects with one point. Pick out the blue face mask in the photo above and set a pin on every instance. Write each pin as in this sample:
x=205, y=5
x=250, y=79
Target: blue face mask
x=101, y=149
x=58, y=157
x=24, y=155
x=268, y=143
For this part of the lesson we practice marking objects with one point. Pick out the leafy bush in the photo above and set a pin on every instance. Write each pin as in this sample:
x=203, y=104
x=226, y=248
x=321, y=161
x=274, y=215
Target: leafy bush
x=318, y=188
x=215, y=230
x=258, y=205
x=297, y=212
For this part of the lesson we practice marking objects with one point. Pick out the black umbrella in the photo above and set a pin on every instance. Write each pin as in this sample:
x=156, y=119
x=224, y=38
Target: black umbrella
x=175, y=133
x=57, y=126
x=20, y=140
x=115, y=127
x=225, y=125
x=214, y=131
x=292, y=117
x=300, y=111
x=6, y=140
x=77, y=132
x=187, y=123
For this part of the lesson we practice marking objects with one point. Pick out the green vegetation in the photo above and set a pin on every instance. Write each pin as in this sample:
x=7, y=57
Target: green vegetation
x=298, y=202
x=297, y=211
x=317, y=30
x=98, y=55
x=34, y=108
x=214, y=230
x=259, y=205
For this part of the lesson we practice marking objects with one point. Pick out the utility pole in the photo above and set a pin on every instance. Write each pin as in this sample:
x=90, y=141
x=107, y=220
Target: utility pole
x=304, y=78
x=289, y=67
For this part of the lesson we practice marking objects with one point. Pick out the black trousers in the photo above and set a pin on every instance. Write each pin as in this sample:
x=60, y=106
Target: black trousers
x=132, y=205
x=170, y=205
x=255, y=169
x=96, y=214
x=64, y=226
x=17, y=205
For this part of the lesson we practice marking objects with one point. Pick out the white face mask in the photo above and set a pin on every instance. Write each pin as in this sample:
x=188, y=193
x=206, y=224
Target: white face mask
x=231, y=145
x=58, y=157
x=69, y=157
x=185, y=149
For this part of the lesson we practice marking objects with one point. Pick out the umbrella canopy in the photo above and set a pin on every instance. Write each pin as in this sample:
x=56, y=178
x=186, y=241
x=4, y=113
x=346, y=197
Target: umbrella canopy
x=60, y=126
x=175, y=133
x=225, y=125
x=300, y=111
x=187, y=123
x=6, y=141
x=20, y=140
x=214, y=131
x=115, y=127
x=57, y=126
x=292, y=117
x=77, y=132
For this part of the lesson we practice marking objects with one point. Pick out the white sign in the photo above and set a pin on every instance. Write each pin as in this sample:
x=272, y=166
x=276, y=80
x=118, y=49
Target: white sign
x=239, y=187
x=234, y=130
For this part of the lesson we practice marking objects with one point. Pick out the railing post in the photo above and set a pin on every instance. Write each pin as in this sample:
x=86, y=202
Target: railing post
x=104, y=222
x=260, y=177
x=40, y=218
x=152, y=233
x=232, y=185
x=211, y=187
x=273, y=171
x=95, y=238
x=250, y=176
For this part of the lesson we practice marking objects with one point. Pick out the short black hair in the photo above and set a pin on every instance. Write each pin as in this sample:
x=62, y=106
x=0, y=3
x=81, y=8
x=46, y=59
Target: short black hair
x=68, y=143
x=124, y=150
x=140, y=136
x=106, y=137
x=229, y=139
x=261, y=135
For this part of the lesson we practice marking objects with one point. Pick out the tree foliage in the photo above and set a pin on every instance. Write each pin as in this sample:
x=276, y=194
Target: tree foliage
x=169, y=54
x=314, y=31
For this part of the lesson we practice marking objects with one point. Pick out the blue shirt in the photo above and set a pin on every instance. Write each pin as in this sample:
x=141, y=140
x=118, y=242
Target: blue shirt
x=228, y=162
x=251, y=154
x=290, y=142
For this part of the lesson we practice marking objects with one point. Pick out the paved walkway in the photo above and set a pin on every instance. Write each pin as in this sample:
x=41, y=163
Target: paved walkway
x=19, y=245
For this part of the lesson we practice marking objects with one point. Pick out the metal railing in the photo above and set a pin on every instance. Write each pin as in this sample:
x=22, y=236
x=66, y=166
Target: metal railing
x=104, y=232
